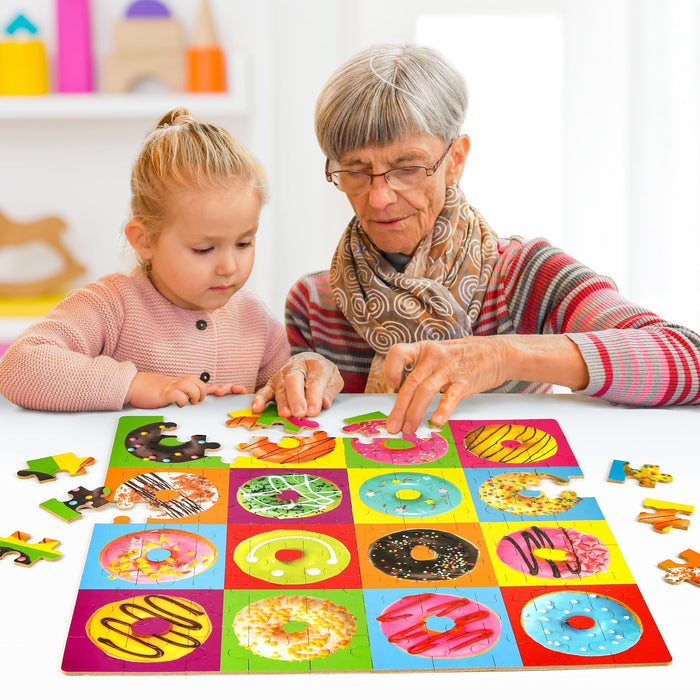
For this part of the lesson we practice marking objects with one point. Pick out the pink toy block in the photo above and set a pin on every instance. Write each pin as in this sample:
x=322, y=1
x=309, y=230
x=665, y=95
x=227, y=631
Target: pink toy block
x=74, y=52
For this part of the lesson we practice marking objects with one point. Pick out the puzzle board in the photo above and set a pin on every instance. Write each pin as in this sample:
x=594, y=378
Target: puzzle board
x=354, y=552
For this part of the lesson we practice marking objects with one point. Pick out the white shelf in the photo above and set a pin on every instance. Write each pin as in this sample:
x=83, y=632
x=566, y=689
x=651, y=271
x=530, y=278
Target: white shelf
x=131, y=105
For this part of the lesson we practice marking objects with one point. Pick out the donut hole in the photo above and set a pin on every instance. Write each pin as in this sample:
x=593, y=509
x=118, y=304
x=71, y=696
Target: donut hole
x=149, y=626
x=397, y=444
x=407, y=494
x=511, y=444
x=288, y=495
x=550, y=554
x=166, y=495
x=295, y=627
x=157, y=555
x=287, y=555
x=439, y=624
x=423, y=553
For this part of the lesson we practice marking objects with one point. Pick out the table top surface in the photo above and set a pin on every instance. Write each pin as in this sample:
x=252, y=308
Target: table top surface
x=38, y=601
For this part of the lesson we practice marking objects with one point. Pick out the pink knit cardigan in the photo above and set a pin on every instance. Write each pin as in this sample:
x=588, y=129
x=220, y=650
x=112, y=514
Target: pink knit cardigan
x=85, y=353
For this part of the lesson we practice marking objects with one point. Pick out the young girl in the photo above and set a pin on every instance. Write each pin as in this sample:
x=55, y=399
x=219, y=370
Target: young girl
x=180, y=326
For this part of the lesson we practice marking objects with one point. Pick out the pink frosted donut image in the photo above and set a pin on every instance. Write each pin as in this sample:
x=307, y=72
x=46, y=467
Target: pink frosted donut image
x=550, y=552
x=421, y=451
x=474, y=629
x=157, y=556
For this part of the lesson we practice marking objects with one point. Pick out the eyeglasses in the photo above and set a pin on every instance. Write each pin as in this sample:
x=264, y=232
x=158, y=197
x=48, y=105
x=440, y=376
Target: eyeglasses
x=411, y=177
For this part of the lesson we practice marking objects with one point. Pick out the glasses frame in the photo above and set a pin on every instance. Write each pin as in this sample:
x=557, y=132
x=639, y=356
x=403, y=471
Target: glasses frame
x=429, y=171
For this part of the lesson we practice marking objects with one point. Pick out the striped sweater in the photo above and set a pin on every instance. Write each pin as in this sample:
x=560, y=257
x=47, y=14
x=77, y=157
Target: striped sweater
x=632, y=355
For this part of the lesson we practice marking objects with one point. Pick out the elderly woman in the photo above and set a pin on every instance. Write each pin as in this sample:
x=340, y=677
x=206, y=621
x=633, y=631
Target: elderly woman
x=423, y=295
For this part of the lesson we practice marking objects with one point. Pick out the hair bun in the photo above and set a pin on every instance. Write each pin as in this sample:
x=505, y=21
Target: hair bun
x=179, y=115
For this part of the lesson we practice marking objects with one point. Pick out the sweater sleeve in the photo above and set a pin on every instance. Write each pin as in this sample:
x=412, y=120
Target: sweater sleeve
x=633, y=356
x=64, y=363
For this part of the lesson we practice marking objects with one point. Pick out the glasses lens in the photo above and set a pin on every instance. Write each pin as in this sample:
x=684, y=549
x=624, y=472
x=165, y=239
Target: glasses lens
x=351, y=181
x=407, y=178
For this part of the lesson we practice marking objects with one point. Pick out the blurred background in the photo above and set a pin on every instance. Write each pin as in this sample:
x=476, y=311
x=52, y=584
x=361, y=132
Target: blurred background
x=583, y=121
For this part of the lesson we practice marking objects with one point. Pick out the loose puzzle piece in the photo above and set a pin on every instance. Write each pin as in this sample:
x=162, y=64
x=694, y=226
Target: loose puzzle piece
x=269, y=418
x=29, y=554
x=666, y=515
x=677, y=573
x=82, y=499
x=647, y=475
x=46, y=468
x=145, y=442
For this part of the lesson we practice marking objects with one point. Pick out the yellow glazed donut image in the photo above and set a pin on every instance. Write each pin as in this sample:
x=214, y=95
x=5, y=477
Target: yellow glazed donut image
x=503, y=492
x=260, y=627
x=510, y=444
x=150, y=628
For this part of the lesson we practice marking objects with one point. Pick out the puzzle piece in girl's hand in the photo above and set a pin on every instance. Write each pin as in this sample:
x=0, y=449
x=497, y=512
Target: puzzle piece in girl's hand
x=666, y=515
x=82, y=498
x=145, y=443
x=29, y=554
x=647, y=475
x=46, y=468
x=678, y=573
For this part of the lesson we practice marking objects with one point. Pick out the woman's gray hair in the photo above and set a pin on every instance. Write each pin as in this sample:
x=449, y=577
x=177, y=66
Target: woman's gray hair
x=389, y=92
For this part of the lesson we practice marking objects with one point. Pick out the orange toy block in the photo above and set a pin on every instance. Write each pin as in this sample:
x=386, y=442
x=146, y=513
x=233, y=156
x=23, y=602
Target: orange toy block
x=677, y=573
x=666, y=515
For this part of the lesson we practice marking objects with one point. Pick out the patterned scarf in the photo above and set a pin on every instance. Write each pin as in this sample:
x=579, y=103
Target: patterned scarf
x=438, y=295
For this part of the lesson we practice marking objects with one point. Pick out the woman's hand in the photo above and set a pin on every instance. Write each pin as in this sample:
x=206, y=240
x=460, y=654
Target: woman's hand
x=307, y=383
x=467, y=366
x=150, y=390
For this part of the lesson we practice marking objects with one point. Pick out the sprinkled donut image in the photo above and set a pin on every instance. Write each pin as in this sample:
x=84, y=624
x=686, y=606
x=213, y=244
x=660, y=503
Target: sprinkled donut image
x=260, y=627
x=157, y=556
x=475, y=630
x=423, y=555
x=149, y=628
x=510, y=444
x=410, y=494
x=549, y=552
x=503, y=492
x=291, y=557
x=289, y=495
x=169, y=494
x=146, y=443
x=581, y=623
x=291, y=449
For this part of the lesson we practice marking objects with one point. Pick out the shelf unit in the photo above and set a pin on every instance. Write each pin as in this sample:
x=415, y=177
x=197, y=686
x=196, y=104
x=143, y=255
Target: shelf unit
x=135, y=105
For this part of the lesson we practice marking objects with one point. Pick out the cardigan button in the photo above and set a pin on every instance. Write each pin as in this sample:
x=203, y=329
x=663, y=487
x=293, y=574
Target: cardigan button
x=202, y=324
x=205, y=377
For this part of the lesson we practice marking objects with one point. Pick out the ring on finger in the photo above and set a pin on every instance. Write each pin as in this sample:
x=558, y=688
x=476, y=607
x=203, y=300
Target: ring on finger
x=296, y=368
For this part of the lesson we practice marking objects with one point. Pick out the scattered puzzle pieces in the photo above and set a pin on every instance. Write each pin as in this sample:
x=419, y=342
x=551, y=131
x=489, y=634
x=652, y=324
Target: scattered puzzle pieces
x=666, y=515
x=677, y=573
x=29, y=554
x=82, y=498
x=46, y=468
x=647, y=475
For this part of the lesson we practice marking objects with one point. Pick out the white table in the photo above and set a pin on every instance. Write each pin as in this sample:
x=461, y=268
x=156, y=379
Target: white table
x=38, y=602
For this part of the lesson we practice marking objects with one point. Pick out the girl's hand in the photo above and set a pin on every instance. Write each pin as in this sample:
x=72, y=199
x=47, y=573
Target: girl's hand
x=306, y=383
x=150, y=390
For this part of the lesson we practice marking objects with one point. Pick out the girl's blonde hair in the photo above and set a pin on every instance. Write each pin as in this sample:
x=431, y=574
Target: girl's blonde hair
x=185, y=154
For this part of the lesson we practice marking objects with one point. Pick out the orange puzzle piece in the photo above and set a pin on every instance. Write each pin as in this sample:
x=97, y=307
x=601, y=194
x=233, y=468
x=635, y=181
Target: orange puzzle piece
x=666, y=515
x=677, y=573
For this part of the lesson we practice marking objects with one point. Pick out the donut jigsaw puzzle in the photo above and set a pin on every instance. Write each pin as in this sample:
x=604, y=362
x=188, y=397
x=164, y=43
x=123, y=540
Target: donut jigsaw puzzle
x=297, y=550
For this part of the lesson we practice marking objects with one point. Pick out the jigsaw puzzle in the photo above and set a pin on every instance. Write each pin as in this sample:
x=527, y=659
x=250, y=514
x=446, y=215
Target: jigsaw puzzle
x=465, y=548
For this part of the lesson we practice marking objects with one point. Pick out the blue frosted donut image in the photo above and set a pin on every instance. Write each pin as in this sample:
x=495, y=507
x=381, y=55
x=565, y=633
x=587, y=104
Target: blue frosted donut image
x=581, y=623
x=410, y=494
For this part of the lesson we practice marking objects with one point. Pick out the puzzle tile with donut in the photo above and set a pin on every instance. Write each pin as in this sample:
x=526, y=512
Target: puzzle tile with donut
x=269, y=545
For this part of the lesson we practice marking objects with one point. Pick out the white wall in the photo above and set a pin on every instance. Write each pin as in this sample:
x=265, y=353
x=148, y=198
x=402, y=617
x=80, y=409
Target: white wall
x=630, y=145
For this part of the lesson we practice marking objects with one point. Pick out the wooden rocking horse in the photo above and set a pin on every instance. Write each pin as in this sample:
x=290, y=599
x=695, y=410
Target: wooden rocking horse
x=48, y=230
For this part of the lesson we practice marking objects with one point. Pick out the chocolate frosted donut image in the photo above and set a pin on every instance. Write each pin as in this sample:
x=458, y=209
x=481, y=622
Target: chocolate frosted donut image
x=422, y=554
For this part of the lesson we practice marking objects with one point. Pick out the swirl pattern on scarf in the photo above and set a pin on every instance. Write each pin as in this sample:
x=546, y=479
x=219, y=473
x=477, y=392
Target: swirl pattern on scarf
x=439, y=294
